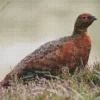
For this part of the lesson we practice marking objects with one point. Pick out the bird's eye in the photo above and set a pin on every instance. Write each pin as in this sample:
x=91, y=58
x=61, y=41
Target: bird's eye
x=84, y=18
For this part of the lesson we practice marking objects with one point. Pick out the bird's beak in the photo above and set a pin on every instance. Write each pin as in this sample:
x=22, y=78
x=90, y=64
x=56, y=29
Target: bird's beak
x=94, y=18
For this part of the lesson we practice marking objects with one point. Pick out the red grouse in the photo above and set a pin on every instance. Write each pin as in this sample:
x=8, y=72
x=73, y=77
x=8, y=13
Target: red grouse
x=71, y=51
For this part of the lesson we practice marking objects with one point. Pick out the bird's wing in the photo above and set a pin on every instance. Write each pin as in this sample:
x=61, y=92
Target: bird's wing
x=42, y=57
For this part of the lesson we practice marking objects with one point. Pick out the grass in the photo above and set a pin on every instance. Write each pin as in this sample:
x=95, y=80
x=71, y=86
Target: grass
x=83, y=85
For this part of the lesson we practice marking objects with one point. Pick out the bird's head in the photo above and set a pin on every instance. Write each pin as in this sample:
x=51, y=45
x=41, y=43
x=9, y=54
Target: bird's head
x=83, y=21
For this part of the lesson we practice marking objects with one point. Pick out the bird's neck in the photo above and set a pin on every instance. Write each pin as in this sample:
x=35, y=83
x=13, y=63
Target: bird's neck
x=78, y=31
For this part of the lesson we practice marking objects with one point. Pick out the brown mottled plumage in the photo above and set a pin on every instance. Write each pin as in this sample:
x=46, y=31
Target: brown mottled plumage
x=67, y=51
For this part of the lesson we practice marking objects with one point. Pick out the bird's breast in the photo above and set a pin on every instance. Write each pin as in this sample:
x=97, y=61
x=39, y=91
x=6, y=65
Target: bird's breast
x=83, y=44
x=75, y=49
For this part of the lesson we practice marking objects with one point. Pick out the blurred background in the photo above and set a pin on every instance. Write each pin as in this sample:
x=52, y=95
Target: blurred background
x=26, y=24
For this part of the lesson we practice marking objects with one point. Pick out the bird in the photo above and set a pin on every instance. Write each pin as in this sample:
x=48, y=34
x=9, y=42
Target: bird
x=69, y=51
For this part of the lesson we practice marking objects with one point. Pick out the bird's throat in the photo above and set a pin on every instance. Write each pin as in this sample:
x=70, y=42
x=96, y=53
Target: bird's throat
x=78, y=31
